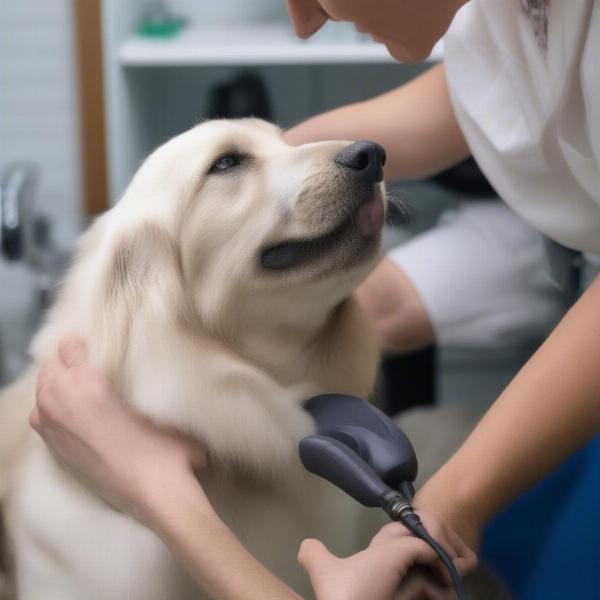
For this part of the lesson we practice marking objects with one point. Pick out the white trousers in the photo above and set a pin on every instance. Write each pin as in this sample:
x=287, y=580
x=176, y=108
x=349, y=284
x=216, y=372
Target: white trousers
x=483, y=275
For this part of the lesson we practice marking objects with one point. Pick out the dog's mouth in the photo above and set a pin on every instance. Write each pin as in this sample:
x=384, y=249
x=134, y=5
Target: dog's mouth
x=366, y=221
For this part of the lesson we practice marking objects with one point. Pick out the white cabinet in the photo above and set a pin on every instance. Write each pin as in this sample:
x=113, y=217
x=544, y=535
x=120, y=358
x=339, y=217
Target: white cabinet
x=156, y=88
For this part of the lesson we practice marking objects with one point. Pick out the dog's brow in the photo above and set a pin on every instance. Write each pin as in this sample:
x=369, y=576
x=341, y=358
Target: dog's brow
x=240, y=141
x=233, y=148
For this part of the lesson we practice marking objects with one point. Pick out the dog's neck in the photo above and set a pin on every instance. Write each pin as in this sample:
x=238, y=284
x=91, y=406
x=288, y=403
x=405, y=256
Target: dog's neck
x=335, y=353
x=283, y=342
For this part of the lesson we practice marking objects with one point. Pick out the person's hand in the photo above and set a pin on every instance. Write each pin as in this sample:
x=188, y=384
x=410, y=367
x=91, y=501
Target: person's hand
x=425, y=584
x=125, y=458
x=395, y=566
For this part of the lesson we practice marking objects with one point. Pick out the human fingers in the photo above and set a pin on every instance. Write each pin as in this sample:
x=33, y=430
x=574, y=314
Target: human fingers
x=323, y=569
x=35, y=421
x=466, y=559
x=307, y=16
x=46, y=376
x=390, y=531
x=72, y=352
x=402, y=553
x=462, y=556
x=396, y=534
x=45, y=397
x=418, y=586
x=314, y=557
x=71, y=398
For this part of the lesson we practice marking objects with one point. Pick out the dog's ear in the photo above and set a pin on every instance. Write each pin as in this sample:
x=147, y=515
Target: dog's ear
x=144, y=280
x=136, y=260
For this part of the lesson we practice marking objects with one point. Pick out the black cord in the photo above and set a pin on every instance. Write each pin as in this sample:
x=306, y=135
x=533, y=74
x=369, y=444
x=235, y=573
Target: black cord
x=399, y=509
x=419, y=530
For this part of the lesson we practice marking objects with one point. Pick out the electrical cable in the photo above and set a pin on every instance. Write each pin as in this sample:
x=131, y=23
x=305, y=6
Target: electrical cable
x=362, y=452
x=399, y=509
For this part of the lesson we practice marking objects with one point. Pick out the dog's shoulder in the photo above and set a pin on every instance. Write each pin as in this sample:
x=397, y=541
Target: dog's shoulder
x=346, y=355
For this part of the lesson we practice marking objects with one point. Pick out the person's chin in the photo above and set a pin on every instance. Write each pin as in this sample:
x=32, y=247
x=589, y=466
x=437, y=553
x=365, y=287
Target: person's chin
x=403, y=54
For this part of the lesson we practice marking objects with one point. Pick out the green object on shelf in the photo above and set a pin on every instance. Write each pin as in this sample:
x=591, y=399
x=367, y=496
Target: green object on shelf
x=162, y=29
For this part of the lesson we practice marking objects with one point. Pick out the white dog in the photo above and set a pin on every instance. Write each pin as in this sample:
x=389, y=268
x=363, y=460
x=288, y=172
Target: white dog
x=217, y=297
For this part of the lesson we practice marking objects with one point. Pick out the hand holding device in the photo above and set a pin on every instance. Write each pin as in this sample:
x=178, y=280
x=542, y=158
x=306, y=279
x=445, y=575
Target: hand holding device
x=361, y=451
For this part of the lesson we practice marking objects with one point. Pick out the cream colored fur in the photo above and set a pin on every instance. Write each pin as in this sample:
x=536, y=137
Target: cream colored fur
x=168, y=293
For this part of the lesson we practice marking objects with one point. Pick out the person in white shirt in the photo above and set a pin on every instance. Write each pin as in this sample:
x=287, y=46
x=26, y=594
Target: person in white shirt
x=519, y=89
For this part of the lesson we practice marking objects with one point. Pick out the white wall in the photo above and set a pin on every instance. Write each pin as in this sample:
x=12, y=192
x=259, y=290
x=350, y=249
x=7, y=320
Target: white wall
x=38, y=123
x=38, y=103
x=230, y=10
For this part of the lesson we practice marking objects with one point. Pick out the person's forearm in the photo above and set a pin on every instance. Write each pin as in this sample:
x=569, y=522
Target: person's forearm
x=548, y=411
x=215, y=558
x=415, y=123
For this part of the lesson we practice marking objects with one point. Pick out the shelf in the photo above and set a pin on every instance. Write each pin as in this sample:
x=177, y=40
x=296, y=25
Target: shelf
x=254, y=44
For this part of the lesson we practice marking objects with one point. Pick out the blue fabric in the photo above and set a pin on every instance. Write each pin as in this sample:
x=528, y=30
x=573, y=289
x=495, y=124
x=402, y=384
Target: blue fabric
x=546, y=545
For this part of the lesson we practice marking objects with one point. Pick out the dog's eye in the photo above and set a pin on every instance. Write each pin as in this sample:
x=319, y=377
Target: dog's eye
x=225, y=162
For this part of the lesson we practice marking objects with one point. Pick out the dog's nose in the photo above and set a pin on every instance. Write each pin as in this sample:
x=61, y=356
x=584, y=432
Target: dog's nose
x=365, y=158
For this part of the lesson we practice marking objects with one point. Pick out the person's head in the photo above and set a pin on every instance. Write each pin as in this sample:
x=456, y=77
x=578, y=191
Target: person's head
x=408, y=28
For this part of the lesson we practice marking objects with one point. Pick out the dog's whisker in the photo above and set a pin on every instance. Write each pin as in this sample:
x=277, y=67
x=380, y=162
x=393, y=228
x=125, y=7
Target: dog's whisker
x=398, y=211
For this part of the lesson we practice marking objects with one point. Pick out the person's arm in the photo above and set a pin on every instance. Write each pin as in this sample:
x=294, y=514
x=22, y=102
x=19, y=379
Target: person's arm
x=415, y=123
x=379, y=572
x=549, y=410
x=93, y=433
x=219, y=563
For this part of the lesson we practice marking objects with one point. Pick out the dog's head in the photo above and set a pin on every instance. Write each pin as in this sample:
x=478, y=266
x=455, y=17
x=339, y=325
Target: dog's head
x=218, y=275
x=256, y=223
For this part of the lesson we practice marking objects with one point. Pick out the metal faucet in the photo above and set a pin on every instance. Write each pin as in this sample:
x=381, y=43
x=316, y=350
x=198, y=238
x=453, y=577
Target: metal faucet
x=26, y=236
x=15, y=202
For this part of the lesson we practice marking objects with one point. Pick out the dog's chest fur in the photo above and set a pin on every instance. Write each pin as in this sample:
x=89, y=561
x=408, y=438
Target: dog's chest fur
x=70, y=544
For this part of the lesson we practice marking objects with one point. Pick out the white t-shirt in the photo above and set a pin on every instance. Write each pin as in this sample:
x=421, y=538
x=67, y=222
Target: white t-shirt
x=533, y=121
